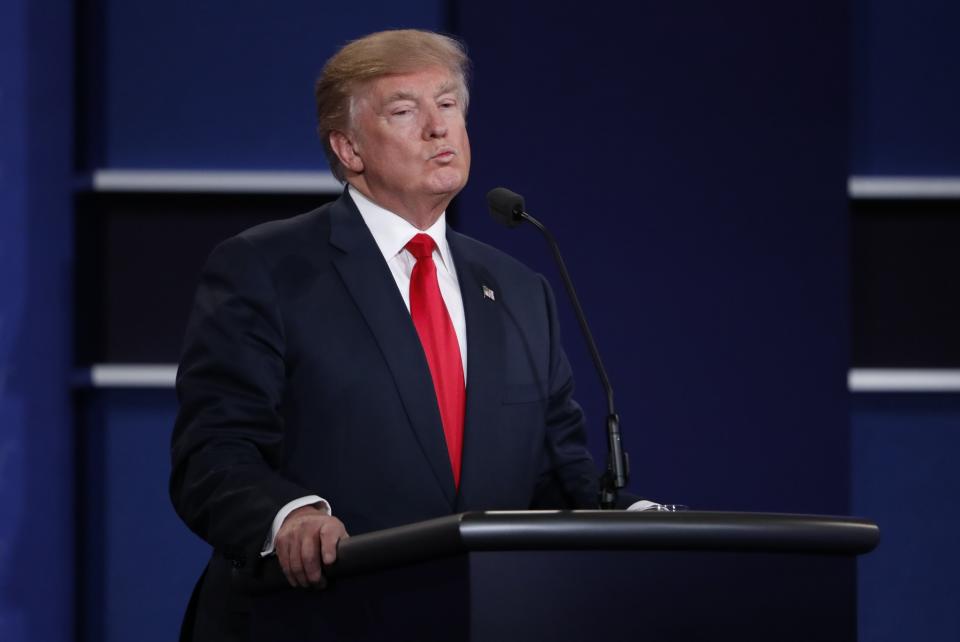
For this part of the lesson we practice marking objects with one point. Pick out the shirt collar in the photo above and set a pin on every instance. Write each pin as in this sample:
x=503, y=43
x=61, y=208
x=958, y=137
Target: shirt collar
x=391, y=232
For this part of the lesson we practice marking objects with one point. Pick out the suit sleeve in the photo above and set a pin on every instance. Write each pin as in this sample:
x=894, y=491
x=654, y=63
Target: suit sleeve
x=568, y=478
x=228, y=438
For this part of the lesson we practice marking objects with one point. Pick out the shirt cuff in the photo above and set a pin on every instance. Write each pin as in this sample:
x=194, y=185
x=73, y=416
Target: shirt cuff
x=270, y=544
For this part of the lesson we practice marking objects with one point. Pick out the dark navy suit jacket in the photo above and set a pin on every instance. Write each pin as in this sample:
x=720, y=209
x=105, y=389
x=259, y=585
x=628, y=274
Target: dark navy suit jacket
x=302, y=373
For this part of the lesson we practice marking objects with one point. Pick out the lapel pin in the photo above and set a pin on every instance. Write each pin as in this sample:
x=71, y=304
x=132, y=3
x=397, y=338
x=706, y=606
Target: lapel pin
x=488, y=294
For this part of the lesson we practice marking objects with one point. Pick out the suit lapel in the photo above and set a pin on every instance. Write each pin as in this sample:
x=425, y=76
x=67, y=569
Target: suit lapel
x=485, y=365
x=368, y=279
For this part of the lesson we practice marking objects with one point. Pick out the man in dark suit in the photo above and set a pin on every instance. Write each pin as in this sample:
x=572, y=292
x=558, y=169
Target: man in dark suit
x=363, y=366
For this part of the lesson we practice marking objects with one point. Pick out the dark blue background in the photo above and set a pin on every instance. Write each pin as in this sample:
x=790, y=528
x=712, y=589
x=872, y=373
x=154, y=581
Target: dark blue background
x=906, y=71
x=217, y=84
x=691, y=158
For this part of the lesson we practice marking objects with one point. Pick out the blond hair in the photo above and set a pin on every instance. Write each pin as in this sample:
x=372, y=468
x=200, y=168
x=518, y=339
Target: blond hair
x=380, y=54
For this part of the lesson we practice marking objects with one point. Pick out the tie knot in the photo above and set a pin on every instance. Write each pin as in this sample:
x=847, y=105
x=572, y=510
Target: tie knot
x=421, y=246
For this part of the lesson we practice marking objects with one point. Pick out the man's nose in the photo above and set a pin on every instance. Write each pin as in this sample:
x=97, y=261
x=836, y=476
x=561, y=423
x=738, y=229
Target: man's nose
x=435, y=125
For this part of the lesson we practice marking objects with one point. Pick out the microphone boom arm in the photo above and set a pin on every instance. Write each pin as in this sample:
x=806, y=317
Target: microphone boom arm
x=618, y=463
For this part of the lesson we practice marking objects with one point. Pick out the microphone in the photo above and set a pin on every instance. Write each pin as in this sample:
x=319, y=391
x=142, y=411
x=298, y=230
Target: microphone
x=505, y=206
x=508, y=209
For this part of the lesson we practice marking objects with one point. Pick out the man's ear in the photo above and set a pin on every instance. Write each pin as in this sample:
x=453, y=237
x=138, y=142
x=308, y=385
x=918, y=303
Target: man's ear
x=346, y=150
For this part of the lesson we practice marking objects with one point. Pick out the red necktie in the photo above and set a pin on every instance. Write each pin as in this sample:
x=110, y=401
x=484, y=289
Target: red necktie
x=440, y=345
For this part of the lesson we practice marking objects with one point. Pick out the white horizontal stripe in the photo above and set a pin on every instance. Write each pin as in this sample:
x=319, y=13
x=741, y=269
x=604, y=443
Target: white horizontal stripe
x=906, y=187
x=163, y=375
x=137, y=180
x=897, y=380
x=145, y=375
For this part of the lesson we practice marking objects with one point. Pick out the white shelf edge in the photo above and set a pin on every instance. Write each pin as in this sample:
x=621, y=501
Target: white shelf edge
x=139, y=375
x=903, y=380
x=269, y=182
x=163, y=375
x=903, y=187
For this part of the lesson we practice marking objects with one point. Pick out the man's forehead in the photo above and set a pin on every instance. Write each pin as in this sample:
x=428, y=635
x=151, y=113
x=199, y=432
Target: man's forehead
x=431, y=81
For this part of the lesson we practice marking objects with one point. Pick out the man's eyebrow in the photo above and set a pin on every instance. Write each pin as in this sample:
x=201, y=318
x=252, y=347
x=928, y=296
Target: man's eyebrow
x=446, y=88
x=400, y=95
x=449, y=87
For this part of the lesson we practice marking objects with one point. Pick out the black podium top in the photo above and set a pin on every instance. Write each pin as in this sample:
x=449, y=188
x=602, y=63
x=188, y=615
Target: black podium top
x=590, y=530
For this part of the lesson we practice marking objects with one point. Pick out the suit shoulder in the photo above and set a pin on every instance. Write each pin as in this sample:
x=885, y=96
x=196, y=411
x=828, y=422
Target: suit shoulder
x=302, y=234
x=299, y=228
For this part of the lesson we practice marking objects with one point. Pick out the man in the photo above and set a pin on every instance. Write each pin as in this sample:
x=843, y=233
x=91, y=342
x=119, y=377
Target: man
x=363, y=366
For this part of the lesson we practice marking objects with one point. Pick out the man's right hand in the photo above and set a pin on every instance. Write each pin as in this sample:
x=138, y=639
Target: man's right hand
x=307, y=536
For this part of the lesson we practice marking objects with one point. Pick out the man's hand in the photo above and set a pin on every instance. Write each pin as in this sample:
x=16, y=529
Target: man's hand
x=306, y=536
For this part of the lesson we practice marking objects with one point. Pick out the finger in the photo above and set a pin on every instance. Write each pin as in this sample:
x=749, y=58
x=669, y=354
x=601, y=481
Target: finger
x=310, y=557
x=283, y=556
x=296, y=564
x=329, y=537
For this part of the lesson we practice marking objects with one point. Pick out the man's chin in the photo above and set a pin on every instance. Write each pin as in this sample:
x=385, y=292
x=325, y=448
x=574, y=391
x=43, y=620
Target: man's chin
x=448, y=184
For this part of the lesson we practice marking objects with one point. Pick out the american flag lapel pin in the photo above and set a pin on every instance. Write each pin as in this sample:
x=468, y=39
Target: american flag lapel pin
x=488, y=294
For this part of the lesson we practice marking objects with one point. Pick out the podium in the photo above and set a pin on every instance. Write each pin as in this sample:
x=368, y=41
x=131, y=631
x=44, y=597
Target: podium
x=580, y=575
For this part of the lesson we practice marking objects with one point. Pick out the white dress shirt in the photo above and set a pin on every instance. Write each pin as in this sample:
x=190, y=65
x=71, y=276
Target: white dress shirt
x=391, y=234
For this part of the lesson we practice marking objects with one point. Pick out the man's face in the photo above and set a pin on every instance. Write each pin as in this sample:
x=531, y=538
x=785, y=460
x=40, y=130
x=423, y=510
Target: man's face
x=410, y=134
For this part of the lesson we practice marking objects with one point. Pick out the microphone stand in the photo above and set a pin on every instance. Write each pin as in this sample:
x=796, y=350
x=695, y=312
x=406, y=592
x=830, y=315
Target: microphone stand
x=618, y=461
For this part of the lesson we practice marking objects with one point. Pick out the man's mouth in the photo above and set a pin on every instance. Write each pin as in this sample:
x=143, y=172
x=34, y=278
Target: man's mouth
x=444, y=154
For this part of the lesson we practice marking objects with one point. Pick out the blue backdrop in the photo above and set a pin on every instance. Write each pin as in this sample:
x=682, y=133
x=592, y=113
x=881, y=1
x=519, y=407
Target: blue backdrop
x=37, y=506
x=691, y=158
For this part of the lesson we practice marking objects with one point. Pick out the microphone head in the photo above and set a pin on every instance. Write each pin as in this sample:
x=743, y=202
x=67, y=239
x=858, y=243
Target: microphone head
x=506, y=207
